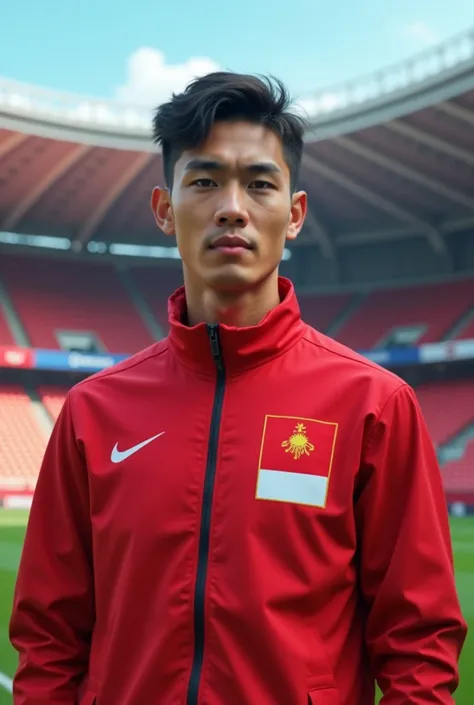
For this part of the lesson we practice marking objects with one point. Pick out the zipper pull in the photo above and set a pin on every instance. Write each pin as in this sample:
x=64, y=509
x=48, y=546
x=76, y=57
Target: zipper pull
x=215, y=345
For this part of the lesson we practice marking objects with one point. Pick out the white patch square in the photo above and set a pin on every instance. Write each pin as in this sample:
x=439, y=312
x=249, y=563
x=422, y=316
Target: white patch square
x=297, y=488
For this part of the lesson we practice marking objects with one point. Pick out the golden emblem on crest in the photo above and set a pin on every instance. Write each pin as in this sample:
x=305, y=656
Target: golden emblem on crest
x=298, y=443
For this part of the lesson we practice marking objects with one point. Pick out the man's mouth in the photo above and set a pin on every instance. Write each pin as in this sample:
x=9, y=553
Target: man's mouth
x=230, y=243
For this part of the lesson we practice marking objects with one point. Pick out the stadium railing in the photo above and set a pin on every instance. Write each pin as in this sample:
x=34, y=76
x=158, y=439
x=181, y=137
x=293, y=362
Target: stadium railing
x=22, y=99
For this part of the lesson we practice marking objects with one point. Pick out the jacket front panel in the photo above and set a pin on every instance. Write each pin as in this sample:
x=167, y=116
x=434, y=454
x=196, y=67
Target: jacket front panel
x=145, y=514
x=280, y=575
x=282, y=584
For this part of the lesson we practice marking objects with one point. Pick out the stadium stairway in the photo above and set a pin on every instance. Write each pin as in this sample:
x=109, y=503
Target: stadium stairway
x=322, y=311
x=39, y=410
x=155, y=285
x=438, y=307
x=467, y=330
x=463, y=324
x=456, y=447
x=22, y=439
x=456, y=459
x=12, y=320
x=353, y=305
x=143, y=310
x=92, y=302
x=447, y=408
x=53, y=399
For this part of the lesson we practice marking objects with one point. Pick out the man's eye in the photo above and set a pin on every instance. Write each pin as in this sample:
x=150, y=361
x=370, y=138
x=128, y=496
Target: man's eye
x=259, y=184
x=204, y=183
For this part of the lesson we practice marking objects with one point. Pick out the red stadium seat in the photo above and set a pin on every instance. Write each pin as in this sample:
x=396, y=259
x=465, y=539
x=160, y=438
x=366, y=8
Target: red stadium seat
x=438, y=306
x=156, y=284
x=6, y=337
x=458, y=475
x=22, y=440
x=448, y=407
x=51, y=295
x=53, y=399
x=322, y=311
x=467, y=333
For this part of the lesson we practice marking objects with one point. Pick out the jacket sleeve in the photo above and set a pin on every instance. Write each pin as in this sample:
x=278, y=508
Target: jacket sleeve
x=53, y=609
x=415, y=630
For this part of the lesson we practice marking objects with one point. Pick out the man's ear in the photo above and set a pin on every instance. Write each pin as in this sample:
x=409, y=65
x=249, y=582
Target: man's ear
x=162, y=210
x=299, y=208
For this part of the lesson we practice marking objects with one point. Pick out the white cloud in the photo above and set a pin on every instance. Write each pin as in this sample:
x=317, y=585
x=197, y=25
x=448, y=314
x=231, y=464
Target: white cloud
x=422, y=33
x=321, y=103
x=150, y=80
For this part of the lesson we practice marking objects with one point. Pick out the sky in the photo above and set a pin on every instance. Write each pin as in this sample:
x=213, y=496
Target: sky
x=138, y=51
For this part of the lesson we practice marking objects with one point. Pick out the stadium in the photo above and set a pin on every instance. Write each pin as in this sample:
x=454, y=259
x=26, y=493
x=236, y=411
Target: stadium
x=385, y=264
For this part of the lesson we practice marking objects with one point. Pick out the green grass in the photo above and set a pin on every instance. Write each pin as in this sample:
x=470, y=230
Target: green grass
x=12, y=528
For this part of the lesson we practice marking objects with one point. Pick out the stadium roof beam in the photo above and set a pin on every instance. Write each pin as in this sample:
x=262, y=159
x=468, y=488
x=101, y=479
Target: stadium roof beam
x=414, y=133
x=453, y=226
x=457, y=111
x=320, y=234
x=450, y=227
x=396, y=167
x=32, y=197
x=374, y=236
x=380, y=202
x=11, y=142
x=119, y=186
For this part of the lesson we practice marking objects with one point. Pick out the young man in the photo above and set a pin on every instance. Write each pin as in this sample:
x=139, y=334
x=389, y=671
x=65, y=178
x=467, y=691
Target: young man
x=246, y=513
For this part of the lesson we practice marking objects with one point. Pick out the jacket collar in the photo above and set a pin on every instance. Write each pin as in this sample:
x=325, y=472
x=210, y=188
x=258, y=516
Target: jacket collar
x=240, y=348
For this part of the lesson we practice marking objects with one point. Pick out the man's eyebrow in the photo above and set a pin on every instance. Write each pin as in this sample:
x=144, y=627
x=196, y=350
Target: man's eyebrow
x=263, y=168
x=204, y=165
x=201, y=164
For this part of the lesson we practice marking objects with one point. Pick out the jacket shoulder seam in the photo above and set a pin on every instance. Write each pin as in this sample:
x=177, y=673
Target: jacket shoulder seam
x=131, y=365
x=366, y=363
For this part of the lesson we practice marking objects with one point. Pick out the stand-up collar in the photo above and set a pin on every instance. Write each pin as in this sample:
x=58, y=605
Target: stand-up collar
x=241, y=348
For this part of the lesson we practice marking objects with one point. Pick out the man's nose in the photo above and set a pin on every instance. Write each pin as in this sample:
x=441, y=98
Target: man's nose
x=232, y=209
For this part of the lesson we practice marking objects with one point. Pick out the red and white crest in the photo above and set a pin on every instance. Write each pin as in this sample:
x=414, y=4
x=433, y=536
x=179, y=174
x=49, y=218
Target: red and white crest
x=295, y=460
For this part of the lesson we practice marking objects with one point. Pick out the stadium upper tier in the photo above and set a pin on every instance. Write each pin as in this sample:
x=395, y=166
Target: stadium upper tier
x=387, y=156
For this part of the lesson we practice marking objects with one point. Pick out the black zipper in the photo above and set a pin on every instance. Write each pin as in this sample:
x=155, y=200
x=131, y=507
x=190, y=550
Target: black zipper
x=204, y=536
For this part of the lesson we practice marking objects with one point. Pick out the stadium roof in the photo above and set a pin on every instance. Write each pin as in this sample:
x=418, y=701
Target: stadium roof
x=388, y=156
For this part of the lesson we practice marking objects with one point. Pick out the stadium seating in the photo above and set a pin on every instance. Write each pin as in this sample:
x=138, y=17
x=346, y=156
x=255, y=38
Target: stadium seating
x=156, y=284
x=71, y=296
x=447, y=407
x=458, y=475
x=467, y=333
x=438, y=306
x=22, y=440
x=322, y=311
x=93, y=299
x=6, y=337
x=53, y=399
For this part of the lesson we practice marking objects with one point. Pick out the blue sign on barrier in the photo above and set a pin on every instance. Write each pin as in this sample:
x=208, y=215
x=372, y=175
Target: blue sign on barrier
x=393, y=356
x=82, y=362
x=61, y=360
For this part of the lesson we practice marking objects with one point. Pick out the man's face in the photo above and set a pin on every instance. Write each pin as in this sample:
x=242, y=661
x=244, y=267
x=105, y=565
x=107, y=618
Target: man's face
x=231, y=207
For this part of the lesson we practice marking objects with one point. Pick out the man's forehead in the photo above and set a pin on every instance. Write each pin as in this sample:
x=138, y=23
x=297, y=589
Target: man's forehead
x=238, y=142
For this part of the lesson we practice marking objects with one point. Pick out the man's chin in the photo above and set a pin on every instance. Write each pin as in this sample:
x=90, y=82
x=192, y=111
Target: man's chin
x=233, y=277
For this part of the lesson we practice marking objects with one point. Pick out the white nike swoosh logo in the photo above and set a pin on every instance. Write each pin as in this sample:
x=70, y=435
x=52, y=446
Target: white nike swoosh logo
x=117, y=456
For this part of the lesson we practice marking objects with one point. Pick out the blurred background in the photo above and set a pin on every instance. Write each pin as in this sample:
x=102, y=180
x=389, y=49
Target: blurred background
x=385, y=263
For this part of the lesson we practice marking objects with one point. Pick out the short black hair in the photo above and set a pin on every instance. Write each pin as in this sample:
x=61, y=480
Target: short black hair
x=185, y=121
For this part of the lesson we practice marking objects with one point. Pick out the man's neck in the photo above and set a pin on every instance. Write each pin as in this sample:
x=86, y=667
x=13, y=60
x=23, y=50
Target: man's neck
x=237, y=309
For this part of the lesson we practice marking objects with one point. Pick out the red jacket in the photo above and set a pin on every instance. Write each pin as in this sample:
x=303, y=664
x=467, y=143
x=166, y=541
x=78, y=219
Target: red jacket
x=247, y=516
